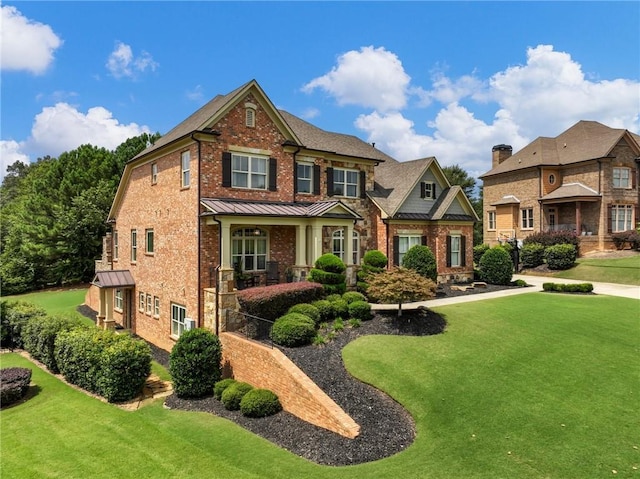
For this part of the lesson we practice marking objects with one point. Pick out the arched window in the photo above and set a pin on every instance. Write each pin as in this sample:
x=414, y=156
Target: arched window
x=249, y=249
x=337, y=245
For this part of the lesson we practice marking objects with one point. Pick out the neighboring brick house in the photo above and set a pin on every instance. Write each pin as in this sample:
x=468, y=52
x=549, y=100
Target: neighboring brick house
x=241, y=182
x=584, y=180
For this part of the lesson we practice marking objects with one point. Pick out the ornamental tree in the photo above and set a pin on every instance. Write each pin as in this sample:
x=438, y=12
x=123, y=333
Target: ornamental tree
x=400, y=285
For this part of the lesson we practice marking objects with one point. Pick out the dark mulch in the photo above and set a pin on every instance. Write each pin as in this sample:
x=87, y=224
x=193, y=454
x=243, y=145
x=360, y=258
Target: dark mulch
x=385, y=427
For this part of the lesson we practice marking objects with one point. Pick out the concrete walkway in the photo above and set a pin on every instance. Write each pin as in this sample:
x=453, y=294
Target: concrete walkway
x=535, y=282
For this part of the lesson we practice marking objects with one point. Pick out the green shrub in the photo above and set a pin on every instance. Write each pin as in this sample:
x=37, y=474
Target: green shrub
x=338, y=324
x=421, y=259
x=260, y=403
x=632, y=237
x=478, y=251
x=220, y=386
x=532, y=255
x=333, y=297
x=78, y=352
x=271, y=302
x=520, y=282
x=355, y=323
x=340, y=308
x=194, y=363
x=14, y=384
x=293, y=329
x=360, y=310
x=568, y=288
x=308, y=310
x=326, y=277
x=339, y=289
x=125, y=365
x=330, y=263
x=375, y=258
x=554, y=237
x=13, y=317
x=325, y=309
x=560, y=256
x=232, y=395
x=39, y=336
x=351, y=296
x=496, y=266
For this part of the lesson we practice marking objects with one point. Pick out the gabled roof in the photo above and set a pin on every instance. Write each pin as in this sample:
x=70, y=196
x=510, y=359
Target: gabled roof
x=507, y=200
x=440, y=208
x=113, y=279
x=584, y=141
x=327, y=209
x=572, y=191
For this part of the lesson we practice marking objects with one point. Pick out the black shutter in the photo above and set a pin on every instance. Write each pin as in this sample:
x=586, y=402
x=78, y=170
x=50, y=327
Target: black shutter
x=463, y=251
x=396, y=250
x=316, y=179
x=273, y=174
x=295, y=176
x=423, y=241
x=609, y=220
x=448, y=251
x=633, y=175
x=363, y=184
x=226, y=169
x=423, y=189
x=433, y=191
x=329, y=181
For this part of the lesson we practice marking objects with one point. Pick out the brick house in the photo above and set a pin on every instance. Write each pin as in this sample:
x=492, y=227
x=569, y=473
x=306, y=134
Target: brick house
x=242, y=183
x=584, y=180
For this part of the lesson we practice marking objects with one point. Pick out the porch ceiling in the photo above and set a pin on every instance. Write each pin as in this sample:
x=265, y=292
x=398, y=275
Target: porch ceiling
x=330, y=209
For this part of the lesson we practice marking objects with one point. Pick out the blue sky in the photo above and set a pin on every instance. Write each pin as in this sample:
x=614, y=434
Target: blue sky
x=444, y=79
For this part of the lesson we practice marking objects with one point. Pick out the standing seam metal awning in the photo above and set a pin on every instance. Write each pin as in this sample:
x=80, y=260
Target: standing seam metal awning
x=113, y=279
x=254, y=208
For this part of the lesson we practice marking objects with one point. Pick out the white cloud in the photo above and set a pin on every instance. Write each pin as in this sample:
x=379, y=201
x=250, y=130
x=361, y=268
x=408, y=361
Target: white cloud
x=197, y=94
x=10, y=152
x=26, y=44
x=371, y=77
x=310, y=113
x=122, y=63
x=62, y=128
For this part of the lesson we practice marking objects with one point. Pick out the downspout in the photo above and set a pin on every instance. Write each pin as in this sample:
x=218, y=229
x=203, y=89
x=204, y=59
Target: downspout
x=217, y=269
x=199, y=230
x=295, y=173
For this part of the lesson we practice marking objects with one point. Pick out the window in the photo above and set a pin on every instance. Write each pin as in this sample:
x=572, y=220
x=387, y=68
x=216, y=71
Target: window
x=154, y=173
x=454, y=252
x=345, y=182
x=156, y=307
x=337, y=242
x=491, y=220
x=304, y=177
x=134, y=246
x=178, y=313
x=149, y=304
x=621, y=178
x=405, y=243
x=149, y=243
x=141, y=301
x=527, y=218
x=115, y=245
x=621, y=218
x=117, y=299
x=552, y=179
x=249, y=249
x=248, y=172
x=186, y=168
x=428, y=190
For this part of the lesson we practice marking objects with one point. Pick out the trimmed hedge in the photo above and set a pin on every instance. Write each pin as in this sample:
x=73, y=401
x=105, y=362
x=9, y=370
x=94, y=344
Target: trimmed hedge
x=478, y=251
x=308, y=310
x=271, y=302
x=551, y=238
x=560, y=256
x=360, y=310
x=532, y=255
x=351, y=296
x=496, y=266
x=325, y=309
x=326, y=277
x=330, y=272
x=39, y=336
x=13, y=317
x=631, y=236
x=340, y=308
x=568, y=288
x=420, y=258
x=260, y=403
x=14, y=384
x=220, y=386
x=293, y=329
x=375, y=258
x=331, y=263
x=232, y=395
x=194, y=363
x=77, y=353
x=373, y=262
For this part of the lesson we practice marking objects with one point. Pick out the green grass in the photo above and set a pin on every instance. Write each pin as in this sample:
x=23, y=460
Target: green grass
x=529, y=386
x=617, y=270
x=56, y=302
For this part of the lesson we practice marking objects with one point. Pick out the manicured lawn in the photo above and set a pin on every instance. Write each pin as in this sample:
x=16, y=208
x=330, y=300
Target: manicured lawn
x=529, y=386
x=62, y=302
x=616, y=270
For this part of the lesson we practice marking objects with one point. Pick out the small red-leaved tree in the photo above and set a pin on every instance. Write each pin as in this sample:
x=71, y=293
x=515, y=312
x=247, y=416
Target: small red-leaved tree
x=400, y=285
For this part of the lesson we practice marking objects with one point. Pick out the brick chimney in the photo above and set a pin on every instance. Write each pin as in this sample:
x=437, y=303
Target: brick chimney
x=500, y=153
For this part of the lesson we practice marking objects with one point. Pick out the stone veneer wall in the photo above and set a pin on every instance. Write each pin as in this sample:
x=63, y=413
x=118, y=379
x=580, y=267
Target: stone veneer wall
x=269, y=368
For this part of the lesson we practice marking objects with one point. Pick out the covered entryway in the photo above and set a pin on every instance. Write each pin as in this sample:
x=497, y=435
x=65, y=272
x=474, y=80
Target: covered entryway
x=115, y=288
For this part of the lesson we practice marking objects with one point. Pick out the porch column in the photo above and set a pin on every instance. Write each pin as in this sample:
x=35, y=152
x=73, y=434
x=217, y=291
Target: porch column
x=101, y=307
x=316, y=242
x=301, y=245
x=578, y=218
x=348, y=244
x=225, y=254
x=109, y=322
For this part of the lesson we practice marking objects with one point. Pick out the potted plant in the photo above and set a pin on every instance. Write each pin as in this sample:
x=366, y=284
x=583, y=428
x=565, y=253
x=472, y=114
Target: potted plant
x=240, y=276
x=288, y=274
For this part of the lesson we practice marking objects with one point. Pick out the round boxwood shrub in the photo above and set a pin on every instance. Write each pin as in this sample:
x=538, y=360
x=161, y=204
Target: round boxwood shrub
x=325, y=309
x=14, y=384
x=194, y=363
x=420, y=258
x=496, y=266
x=308, y=310
x=293, y=329
x=375, y=258
x=560, y=256
x=478, y=251
x=331, y=263
x=340, y=308
x=532, y=255
x=125, y=365
x=360, y=310
x=260, y=403
x=220, y=386
x=232, y=395
x=351, y=296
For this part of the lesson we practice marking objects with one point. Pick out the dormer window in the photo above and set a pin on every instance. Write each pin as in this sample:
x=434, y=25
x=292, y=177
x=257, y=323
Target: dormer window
x=428, y=190
x=250, y=114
